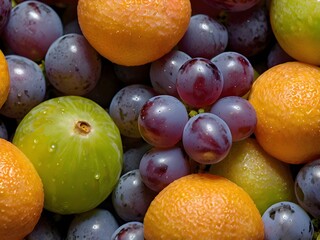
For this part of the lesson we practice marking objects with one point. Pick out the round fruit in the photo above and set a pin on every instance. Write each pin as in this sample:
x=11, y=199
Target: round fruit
x=296, y=26
x=286, y=98
x=203, y=205
x=21, y=193
x=5, y=79
x=266, y=179
x=133, y=32
x=76, y=149
x=232, y=5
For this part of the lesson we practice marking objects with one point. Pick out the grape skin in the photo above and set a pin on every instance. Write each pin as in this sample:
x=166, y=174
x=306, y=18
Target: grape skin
x=199, y=82
x=93, y=224
x=31, y=28
x=159, y=167
x=207, y=138
x=237, y=72
x=27, y=87
x=287, y=220
x=161, y=121
x=5, y=8
x=205, y=37
x=129, y=231
x=307, y=187
x=163, y=72
x=239, y=115
x=72, y=65
x=125, y=108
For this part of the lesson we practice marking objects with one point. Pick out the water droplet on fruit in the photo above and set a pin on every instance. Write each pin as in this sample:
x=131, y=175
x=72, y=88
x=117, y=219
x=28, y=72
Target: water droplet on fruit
x=44, y=112
x=52, y=148
x=97, y=176
x=35, y=141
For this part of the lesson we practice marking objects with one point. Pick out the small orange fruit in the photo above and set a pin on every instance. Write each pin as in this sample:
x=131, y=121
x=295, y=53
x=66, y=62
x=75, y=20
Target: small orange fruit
x=4, y=79
x=21, y=193
x=203, y=206
x=133, y=32
x=286, y=98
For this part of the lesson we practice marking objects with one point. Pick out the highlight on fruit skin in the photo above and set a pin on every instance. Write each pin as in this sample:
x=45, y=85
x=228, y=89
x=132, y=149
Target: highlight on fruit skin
x=203, y=205
x=21, y=193
x=133, y=32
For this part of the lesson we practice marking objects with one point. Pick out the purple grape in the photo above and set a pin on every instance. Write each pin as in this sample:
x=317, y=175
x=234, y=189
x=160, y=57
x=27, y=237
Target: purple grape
x=129, y=231
x=72, y=65
x=207, y=138
x=163, y=72
x=237, y=72
x=239, y=115
x=131, y=197
x=277, y=55
x=161, y=121
x=159, y=167
x=72, y=27
x=132, y=74
x=5, y=8
x=199, y=82
x=132, y=157
x=27, y=87
x=205, y=37
x=249, y=31
x=125, y=107
x=287, y=220
x=46, y=228
x=307, y=185
x=94, y=224
x=31, y=28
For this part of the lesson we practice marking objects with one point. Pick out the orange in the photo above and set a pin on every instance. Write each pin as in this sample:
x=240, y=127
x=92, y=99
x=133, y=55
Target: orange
x=4, y=79
x=133, y=32
x=286, y=98
x=203, y=206
x=21, y=193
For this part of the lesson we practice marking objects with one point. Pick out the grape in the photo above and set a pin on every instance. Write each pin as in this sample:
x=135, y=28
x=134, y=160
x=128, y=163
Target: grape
x=132, y=74
x=132, y=157
x=131, y=197
x=287, y=220
x=46, y=228
x=129, y=231
x=163, y=72
x=237, y=72
x=94, y=224
x=277, y=55
x=31, y=28
x=72, y=66
x=27, y=87
x=307, y=187
x=161, y=121
x=207, y=138
x=232, y=5
x=72, y=27
x=249, y=32
x=5, y=8
x=125, y=107
x=205, y=37
x=239, y=115
x=159, y=167
x=199, y=82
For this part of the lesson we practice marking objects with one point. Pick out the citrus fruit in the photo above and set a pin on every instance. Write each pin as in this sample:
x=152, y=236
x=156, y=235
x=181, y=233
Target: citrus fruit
x=21, y=193
x=266, y=179
x=4, y=79
x=76, y=148
x=296, y=26
x=133, y=32
x=286, y=98
x=203, y=206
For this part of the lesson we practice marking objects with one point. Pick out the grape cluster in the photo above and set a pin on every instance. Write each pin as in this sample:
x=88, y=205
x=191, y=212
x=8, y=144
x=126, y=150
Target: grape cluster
x=177, y=115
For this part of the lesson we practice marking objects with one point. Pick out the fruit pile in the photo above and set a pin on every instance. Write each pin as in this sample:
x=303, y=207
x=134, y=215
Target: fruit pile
x=176, y=119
